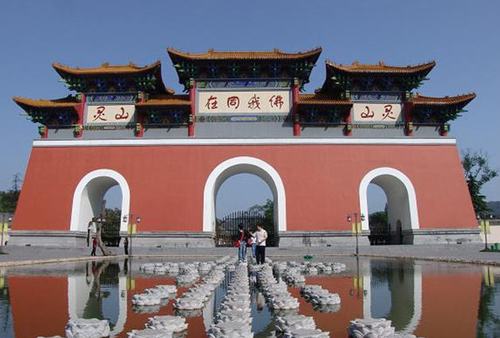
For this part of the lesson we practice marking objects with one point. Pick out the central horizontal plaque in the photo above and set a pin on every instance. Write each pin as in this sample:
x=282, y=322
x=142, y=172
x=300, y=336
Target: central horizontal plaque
x=110, y=114
x=244, y=101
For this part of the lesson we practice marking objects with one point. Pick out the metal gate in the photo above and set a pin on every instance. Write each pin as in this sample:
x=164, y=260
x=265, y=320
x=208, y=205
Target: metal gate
x=226, y=231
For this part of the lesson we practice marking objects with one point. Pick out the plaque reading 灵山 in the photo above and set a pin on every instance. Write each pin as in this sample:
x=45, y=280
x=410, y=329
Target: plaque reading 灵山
x=110, y=114
x=377, y=112
x=241, y=102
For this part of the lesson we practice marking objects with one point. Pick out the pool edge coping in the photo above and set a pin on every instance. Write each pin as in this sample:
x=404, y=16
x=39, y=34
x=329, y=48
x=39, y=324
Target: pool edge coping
x=111, y=257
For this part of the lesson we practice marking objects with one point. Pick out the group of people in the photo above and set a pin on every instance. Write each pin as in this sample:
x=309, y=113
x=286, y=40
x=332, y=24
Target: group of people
x=94, y=232
x=255, y=240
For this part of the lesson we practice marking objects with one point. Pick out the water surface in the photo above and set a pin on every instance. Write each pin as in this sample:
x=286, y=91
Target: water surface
x=428, y=299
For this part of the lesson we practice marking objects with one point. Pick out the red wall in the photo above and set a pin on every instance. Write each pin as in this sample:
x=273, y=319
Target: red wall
x=450, y=305
x=39, y=305
x=321, y=182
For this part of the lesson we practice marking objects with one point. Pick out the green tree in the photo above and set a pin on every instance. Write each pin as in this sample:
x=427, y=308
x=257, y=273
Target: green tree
x=477, y=172
x=269, y=211
x=378, y=220
x=8, y=198
x=488, y=320
x=111, y=226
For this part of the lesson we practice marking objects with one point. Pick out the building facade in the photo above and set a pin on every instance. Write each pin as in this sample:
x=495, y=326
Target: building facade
x=245, y=112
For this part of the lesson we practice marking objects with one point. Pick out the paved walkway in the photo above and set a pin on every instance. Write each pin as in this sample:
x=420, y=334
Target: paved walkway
x=465, y=253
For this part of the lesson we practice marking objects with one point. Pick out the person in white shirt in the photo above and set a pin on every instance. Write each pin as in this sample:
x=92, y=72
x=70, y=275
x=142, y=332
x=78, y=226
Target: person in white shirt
x=260, y=239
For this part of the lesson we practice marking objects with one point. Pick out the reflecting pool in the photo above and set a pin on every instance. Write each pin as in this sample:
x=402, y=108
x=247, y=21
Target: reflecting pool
x=428, y=299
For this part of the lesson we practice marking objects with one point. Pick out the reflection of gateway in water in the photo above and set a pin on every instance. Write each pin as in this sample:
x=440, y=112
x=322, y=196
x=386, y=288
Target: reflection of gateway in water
x=394, y=291
x=83, y=298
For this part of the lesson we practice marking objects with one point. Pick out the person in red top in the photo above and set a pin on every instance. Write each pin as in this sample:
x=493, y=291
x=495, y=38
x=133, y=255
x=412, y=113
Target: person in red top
x=94, y=245
x=242, y=242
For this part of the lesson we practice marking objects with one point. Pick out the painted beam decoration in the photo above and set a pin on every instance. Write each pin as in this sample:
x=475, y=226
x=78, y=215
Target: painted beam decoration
x=377, y=112
x=110, y=114
x=244, y=101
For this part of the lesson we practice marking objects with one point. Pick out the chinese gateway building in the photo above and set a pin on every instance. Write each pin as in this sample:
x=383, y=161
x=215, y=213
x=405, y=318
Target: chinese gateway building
x=245, y=112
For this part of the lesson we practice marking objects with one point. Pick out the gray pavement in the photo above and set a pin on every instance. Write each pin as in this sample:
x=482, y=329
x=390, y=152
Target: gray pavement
x=463, y=253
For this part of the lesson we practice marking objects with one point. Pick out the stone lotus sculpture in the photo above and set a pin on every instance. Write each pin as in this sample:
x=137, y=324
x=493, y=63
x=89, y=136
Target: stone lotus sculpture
x=150, y=333
x=298, y=326
x=195, y=298
x=168, y=323
x=311, y=270
x=215, y=277
x=314, y=268
x=280, y=267
x=373, y=328
x=293, y=322
x=193, y=268
x=187, y=277
x=234, y=317
x=338, y=267
x=189, y=303
x=188, y=313
x=146, y=308
x=230, y=329
x=162, y=291
x=205, y=267
x=159, y=268
x=293, y=276
x=319, y=296
x=146, y=299
x=275, y=292
x=306, y=333
x=87, y=328
x=327, y=308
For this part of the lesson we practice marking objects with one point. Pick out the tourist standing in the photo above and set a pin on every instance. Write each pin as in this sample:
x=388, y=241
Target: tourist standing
x=125, y=245
x=242, y=244
x=94, y=245
x=253, y=243
x=260, y=238
x=91, y=229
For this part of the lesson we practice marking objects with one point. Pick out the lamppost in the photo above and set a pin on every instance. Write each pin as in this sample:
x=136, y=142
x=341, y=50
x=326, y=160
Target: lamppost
x=484, y=225
x=131, y=228
x=358, y=287
x=4, y=229
x=356, y=227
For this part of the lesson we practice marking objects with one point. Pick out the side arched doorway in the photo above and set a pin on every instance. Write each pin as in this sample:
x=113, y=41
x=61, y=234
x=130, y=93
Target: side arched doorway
x=401, y=209
x=240, y=165
x=89, y=196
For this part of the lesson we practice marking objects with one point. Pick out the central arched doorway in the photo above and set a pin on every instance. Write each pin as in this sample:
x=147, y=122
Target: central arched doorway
x=244, y=165
x=246, y=200
x=401, y=213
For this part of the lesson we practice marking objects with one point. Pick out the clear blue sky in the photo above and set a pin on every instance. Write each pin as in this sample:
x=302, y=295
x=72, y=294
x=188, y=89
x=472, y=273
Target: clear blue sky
x=462, y=36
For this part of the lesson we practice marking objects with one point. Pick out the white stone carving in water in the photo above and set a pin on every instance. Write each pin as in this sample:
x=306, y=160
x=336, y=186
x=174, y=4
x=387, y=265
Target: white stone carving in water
x=275, y=292
x=298, y=326
x=168, y=323
x=146, y=299
x=318, y=296
x=374, y=328
x=150, y=333
x=87, y=328
x=234, y=317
